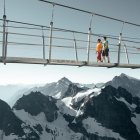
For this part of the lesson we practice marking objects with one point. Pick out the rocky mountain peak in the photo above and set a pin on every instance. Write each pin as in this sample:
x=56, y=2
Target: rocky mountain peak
x=35, y=103
x=131, y=84
x=65, y=80
x=110, y=112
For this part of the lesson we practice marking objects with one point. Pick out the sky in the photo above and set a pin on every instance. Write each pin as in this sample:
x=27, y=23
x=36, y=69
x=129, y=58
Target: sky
x=36, y=12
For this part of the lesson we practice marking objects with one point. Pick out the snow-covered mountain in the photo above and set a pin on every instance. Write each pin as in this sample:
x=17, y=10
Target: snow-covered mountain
x=109, y=113
x=129, y=83
x=58, y=90
x=12, y=127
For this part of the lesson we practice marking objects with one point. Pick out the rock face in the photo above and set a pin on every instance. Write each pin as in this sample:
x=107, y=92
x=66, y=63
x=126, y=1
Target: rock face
x=36, y=103
x=110, y=113
x=129, y=83
x=8, y=121
x=60, y=89
x=11, y=125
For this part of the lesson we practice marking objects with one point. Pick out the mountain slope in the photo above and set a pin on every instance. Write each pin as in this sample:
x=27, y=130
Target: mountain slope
x=11, y=127
x=60, y=89
x=111, y=112
x=131, y=84
x=35, y=103
x=44, y=116
x=111, y=115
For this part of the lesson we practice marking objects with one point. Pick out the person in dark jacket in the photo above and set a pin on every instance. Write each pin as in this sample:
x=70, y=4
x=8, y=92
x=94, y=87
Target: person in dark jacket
x=105, y=52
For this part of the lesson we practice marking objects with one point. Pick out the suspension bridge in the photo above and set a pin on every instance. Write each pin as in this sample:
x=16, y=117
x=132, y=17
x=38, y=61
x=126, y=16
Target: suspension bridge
x=48, y=45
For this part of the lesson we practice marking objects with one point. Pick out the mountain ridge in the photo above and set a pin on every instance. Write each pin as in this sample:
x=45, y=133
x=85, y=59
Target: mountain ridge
x=80, y=113
x=127, y=82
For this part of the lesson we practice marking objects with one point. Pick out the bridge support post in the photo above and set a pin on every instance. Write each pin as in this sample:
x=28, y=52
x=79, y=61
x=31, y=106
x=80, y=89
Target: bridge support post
x=5, y=35
x=43, y=39
x=75, y=48
x=119, y=48
x=50, y=48
x=126, y=54
x=88, y=47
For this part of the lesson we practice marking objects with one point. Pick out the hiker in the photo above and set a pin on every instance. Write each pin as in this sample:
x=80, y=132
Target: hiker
x=105, y=52
x=99, y=50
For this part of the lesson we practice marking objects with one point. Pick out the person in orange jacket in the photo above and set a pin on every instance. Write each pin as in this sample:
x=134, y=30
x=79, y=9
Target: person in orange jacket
x=99, y=50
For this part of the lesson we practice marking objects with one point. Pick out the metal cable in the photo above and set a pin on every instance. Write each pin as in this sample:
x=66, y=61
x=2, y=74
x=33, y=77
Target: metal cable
x=92, y=13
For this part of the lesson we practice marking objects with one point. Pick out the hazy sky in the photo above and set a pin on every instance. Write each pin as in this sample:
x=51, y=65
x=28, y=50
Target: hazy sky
x=34, y=11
